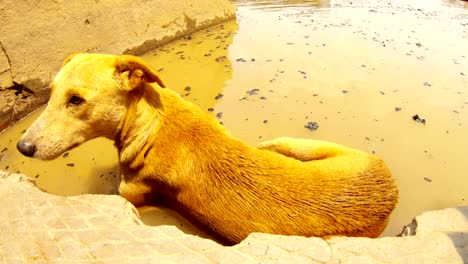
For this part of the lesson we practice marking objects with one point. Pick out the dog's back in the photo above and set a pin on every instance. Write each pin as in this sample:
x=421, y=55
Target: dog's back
x=233, y=189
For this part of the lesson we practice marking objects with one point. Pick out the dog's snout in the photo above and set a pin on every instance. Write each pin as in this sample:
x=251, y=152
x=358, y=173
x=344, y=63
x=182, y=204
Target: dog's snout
x=26, y=148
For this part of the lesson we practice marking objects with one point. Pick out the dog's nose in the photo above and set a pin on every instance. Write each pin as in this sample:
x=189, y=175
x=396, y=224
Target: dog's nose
x=26, y=148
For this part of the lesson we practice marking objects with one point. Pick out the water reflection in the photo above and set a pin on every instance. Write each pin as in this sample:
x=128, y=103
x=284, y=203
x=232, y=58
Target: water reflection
x=456, y=3
x=281, y=4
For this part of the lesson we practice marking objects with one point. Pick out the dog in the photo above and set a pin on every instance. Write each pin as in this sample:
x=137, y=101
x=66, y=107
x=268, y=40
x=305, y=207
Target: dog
x=171, y=153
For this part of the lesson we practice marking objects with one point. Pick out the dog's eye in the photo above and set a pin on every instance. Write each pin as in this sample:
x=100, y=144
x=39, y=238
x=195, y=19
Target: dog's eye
x=75, y=100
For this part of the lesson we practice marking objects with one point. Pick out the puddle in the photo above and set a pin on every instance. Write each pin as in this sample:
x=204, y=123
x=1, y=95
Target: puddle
x=362, y=71
x=91, y=168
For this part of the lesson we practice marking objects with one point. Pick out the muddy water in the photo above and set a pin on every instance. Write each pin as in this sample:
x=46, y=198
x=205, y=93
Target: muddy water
x=361, y=71
x=91, y=168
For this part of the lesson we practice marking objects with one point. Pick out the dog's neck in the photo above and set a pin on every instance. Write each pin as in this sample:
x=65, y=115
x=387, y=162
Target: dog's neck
x=160, y=115
x=165, y=132
x=140, y=122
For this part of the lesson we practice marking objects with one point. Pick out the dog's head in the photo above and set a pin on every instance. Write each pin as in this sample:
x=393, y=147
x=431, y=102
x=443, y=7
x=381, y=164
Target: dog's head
x=89, y=97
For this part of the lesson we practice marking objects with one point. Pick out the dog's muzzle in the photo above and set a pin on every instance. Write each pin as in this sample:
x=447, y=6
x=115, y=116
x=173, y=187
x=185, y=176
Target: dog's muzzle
x=26, y=148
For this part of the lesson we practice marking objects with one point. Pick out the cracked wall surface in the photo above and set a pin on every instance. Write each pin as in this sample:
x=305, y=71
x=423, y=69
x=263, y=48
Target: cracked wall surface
x=38, y=227
x=36, y=36
x=6, y=97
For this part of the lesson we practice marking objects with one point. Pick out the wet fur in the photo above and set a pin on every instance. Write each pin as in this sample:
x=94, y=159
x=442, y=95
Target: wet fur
x=174, y=154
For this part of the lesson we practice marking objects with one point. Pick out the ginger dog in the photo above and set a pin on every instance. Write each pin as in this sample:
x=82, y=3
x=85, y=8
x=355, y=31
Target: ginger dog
x=173, y=154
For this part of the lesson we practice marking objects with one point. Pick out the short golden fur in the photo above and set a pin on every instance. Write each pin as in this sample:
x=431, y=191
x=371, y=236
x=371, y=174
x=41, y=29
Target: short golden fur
x=174, y=154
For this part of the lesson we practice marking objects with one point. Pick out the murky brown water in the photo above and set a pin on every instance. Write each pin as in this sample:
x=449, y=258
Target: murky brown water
x=360, y=70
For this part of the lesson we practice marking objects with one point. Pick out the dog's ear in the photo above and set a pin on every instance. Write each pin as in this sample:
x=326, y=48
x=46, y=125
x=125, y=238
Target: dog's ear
x=69, y=58
x=137, y=70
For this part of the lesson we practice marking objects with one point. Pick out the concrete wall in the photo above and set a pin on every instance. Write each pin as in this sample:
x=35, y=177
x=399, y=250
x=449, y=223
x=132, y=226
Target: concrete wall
x=36, y=36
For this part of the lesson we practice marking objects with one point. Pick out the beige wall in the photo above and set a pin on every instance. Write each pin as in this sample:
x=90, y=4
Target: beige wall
x=36, y=36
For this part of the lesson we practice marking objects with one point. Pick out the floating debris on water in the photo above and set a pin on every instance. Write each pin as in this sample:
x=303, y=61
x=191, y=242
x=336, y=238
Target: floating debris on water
x=253, y=91
x=219, y=96
x=397, y=108
x=312, y=126
x=221, y=58
x=417, y=118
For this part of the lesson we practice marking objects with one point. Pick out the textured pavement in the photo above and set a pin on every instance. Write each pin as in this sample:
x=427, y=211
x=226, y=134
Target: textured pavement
x=37, y=227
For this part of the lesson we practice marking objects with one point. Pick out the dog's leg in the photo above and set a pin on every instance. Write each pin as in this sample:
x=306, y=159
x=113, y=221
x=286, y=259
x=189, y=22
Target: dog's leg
x=134, y=193
x=304, y=149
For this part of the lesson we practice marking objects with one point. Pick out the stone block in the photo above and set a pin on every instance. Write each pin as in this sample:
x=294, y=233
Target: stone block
x=186, y=258
x=320, y=252
x=73, y=250
x=145, y=234
x=447, y=220
x=6, y=80
x=103, y=250
x=199, y=244
x=261, y=249
x=290, y=258
x=4, y=63
x=167, y=246
x=226, y=256
x=296, y=243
